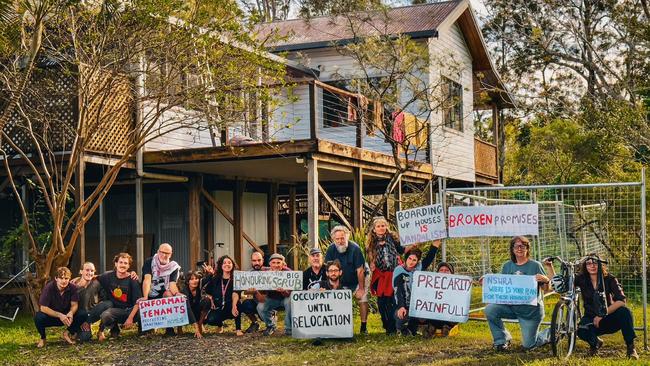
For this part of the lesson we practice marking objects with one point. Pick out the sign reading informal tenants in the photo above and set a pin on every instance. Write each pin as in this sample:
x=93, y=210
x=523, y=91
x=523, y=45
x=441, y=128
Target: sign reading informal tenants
x=268, y=280
x=440, y=296
x=163, y=313
x=509, y=289
x=502, y=220
x=321, y=314
x=417, y=225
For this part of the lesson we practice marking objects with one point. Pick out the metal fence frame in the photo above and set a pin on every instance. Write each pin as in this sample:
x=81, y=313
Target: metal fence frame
x=444, y=191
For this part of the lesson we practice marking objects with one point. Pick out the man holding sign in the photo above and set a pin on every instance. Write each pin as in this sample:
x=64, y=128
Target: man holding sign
x=529, y=316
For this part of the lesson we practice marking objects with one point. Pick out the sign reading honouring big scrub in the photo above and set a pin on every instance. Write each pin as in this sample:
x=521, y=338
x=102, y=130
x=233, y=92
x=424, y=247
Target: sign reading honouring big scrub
x=440, y=296
x=502, y=220
x=509, y=289
x=268, y=280
x=163, y=313
x=321, y=314
x=417, y=225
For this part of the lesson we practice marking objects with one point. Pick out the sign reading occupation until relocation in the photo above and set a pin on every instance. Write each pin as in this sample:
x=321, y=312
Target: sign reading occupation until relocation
x=417, y=225
x=163, y=313
x=509, y=289
x=268, y=280
x=440, y=296
x=502, y=220
x=321, y=314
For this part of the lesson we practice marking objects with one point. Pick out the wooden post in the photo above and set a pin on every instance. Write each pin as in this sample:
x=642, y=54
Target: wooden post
x=312, y=202
x=238, y=224
x=80, y=196
x=208, y=224
x=102, y=238
x=272, y=216
x=387, y=209
x=357, y=198
x=194, y=201
x=496, y=132
x=293, y=224
x=139, y=225
x=398, y=195
x=361, y=132
x=313, y=110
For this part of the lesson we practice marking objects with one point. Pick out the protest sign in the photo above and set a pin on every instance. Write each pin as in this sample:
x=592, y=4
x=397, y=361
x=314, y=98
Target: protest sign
x=321, y=314
x=163, y=313
x=268, y=280
x=440, y=296
x=502, y=220
x=509, y=289
x=417, y=225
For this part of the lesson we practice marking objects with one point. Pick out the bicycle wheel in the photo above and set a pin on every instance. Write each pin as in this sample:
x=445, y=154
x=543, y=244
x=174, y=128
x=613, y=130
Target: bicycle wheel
x=562, y=336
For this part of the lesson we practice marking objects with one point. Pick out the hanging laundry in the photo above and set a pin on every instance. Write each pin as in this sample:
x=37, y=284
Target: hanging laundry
x=398, y=126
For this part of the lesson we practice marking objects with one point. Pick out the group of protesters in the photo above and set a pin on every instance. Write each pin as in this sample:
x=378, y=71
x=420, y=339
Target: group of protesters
x=113, y=298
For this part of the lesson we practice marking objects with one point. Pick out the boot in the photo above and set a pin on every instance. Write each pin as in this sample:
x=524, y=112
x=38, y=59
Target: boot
x=631, y=352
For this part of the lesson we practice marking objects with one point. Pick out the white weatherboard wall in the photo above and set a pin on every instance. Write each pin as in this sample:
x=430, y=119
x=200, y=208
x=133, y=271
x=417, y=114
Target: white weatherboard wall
x=452, y=150
x=290, y=119
x=254, y=224
x=192, y=134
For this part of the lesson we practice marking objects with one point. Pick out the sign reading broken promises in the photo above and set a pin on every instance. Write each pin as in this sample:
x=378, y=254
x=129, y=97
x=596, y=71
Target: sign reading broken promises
x=501, y=220
x=421, y=224
x=268, y=280
x=321, y=314
x=440, y=296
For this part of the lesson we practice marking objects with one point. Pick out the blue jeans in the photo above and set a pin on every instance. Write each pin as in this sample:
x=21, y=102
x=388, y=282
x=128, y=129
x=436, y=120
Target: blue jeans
x=266, y=311
x=529, y=316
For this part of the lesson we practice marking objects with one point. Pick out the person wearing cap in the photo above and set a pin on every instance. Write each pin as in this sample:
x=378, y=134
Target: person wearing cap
x=279, y=298
x=601, y=316
x=312, y=276
x=349, y=254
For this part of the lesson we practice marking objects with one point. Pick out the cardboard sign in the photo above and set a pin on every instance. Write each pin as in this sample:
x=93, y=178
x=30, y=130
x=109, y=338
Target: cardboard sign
x=321, y=314
x=268, y=280
x=163, y=313
x=509, y=289
x=417, y=225
x=440, y=296
x=502, y=220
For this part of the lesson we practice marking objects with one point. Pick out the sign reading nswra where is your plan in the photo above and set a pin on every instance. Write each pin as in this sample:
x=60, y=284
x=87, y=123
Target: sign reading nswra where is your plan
x=440, y=296
x=321, y=314
x=501, y=220
x=509, y=289
x=268, y=280
x=421, y=224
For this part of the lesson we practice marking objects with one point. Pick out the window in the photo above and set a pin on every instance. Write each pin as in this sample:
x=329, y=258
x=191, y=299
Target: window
x=453, y=104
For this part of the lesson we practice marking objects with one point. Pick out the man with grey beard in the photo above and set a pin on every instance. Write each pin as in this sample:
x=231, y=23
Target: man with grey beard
x=354, y=277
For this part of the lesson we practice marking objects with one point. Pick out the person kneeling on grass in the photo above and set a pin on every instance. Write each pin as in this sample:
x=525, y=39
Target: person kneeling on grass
x=275, y=300
x=444, y=326
x=603, y=314
x=529, y=316
x=58, y=305
x=224, y=301
x=402, y=280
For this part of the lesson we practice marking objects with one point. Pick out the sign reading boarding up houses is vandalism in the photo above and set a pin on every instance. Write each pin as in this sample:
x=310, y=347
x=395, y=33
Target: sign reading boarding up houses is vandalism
x=268, y=280
x=509, y=289
x=163, y=313
x=502, y=220
x=440, y=296
x=321, y=314
x=417, y=225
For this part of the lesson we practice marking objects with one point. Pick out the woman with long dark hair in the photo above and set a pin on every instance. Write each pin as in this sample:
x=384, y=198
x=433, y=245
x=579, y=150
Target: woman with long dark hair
x=604, y=304
x=198, y=306
x=224, y=302
x=383, y=254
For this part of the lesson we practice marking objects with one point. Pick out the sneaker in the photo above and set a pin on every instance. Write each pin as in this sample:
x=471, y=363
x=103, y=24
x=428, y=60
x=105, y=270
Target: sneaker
x=429, y=331
x=445, y=330
x=269, y=331
x=502, y=347
x=631, y=352
x=593, y=349
x=115, y=332
x=254, y=327
x=287, y=332
x=169, y=332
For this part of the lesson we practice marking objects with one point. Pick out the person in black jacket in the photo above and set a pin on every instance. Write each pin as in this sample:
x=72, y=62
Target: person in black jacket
x=602, y=315
x=223, y=300
x=197, y=305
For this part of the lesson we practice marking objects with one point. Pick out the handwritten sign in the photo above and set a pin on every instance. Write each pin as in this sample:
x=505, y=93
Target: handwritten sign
x=502, y=220
x=509, y=289
x=163, y=313
x=321, y=314
x=268, y=280
x=440, y=296
x=417, y=225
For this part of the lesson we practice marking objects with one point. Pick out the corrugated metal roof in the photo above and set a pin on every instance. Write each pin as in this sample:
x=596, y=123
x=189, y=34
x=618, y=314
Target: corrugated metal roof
x=403, y=20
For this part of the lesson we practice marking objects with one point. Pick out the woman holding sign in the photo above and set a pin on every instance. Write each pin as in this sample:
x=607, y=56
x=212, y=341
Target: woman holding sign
x=383, y=250
x=223, y=300
x=529, y=316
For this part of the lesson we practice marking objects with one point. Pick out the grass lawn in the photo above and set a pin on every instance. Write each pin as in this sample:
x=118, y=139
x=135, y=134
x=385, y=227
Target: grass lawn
x=471, y=347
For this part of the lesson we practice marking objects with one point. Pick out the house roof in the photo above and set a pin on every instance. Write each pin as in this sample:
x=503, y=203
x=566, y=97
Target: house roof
x=416, y=21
